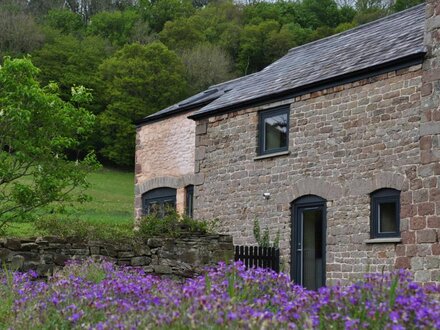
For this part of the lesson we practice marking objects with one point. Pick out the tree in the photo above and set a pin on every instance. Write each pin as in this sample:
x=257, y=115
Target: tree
x=321, y=13
x=70, y=61
x=206, y=65
x=158, y=12
x=37, y=129
x=116, y=26
x=405, y=4
x=370, y=10
x=19, y=33
x=182, y=33
x=64, y=21
x=138, y=80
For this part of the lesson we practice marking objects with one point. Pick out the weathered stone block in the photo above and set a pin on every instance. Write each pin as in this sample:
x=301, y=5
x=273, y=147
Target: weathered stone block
x=426, y=236
x=155, y=242
x=123, y=262
x=29, y=246
x=12, y=244
x=139, y=261
x=108, y=250
x=60, y=259
x=46, y=258
x=141, y=250
x=126, y=254
x=17, y=262
x=162, y=269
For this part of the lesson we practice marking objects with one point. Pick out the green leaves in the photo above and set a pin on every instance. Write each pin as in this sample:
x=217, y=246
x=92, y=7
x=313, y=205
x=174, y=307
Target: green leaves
x=139, y=80
x=37, y=129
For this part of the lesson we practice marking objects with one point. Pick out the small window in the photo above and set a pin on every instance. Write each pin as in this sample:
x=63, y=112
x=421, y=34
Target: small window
x=189, y=199
x=159, y=201
x=385, y=213
x=274, y=130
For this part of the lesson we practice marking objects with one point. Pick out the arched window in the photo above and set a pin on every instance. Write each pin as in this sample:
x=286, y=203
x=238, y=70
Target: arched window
x=385, y=213
x=159, y=201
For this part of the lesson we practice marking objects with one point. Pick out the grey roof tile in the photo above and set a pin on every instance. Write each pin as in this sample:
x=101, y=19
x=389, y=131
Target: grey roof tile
x=386, y=40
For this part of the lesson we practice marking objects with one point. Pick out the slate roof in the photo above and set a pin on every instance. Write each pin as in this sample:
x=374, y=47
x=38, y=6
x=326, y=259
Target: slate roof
x=197, y=100
x=379, y=43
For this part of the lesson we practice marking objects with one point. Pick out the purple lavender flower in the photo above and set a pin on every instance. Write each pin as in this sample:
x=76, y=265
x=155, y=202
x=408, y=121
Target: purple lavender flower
x=228, y=296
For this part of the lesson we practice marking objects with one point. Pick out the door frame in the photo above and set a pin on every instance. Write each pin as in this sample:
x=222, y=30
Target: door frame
x=299, y=204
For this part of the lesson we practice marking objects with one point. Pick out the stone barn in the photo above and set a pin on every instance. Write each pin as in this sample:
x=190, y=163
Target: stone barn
x=336, y=146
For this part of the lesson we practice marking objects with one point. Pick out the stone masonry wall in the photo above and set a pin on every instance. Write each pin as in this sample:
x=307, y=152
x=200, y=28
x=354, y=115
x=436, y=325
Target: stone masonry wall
x=425, y=227
x=183, y=257
x=344, y=142
x=164, y=157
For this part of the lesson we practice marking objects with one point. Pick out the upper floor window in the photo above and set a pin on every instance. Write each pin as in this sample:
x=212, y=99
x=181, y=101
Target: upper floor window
x=159, y=201
x=274, y=130
x=385, y=213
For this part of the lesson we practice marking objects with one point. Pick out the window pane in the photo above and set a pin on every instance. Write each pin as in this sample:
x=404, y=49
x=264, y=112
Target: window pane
x=275, y=132
x=168, y=207
x=153, y=208
x=312, y=249
x=387, y=218
x=189, y=190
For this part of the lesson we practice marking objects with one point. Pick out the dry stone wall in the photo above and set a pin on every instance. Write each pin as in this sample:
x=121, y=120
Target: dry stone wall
x=182, y=257
x=344, y=143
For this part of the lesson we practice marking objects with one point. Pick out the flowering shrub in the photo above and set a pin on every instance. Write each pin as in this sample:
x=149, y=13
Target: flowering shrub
x=99, y=295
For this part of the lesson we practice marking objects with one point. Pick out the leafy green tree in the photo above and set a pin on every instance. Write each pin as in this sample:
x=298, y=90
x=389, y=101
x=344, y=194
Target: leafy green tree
x=261, y=11
x=182, y=33
x=346, y=14
x=116, y=26
x=158, y=12
x=19, y=33
x=64, y=21
x=344, y=27
x=206, y=65
x=252, y=53
x=69, y=61
x=321, y=13
x=139, y=80
x=405, y=4
x=256, y=50
x=229, y=39
x=36, y=130
x=369, y=10
x=39, y=8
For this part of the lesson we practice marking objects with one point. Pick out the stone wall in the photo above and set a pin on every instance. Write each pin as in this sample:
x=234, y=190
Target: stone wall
x=344, y=143
x=183, y=257
x=425, y=227
x=164, y=157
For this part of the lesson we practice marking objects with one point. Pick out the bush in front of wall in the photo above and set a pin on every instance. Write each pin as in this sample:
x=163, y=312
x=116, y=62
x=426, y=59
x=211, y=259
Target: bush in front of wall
x=173, y=225
x=263, y=240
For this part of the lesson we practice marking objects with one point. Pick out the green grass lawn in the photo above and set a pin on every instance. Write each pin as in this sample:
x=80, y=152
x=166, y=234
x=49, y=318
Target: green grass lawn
x=112, y=193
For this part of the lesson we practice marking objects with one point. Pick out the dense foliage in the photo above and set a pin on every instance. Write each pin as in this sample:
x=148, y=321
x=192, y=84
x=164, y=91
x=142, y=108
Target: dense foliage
x=95, y=295
x=79, y=41
x=173, y=224
x=37, y=131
